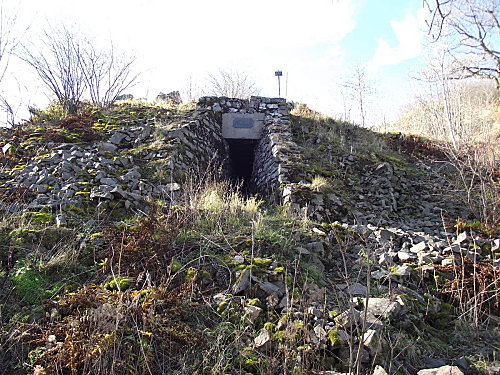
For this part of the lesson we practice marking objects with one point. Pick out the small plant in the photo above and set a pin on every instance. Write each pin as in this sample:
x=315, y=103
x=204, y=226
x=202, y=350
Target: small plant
x=319, y=184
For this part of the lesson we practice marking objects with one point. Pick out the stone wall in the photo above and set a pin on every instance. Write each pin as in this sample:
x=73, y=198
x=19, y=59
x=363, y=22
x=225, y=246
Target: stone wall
x=149, y=159
x=200, y=148
x=275, y=152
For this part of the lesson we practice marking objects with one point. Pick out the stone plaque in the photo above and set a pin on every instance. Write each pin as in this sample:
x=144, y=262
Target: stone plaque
x=243, y=122
x=242, y=125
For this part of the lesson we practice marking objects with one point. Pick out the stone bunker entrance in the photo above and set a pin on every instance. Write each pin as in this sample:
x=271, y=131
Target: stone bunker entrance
x=242, y=132
x=241, y=162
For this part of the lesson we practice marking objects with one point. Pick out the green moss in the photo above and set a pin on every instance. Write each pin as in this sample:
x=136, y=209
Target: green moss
x=305, y=348
x=175, y=265
x=41, y=218
x=74, y=209
x=32, y=286
x=16, y=169
x=254, y=302
x=120, y=283
x=271, y=327
x=333, y=313
x=222, y=306
x=262, y=262
x=333, y=336
x=22, y=237
x=36, y=353
x=191, y=274
x=82, y=193
x=96, y=235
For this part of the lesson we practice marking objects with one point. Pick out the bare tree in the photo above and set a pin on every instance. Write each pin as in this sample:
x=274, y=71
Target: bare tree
x=10, y=35
x=359, y=89
x=70, y=66
x=8, y=40
x=107, y=74
x=230, y=83
x=471, y=28
x=57, y=61
x=458, y=113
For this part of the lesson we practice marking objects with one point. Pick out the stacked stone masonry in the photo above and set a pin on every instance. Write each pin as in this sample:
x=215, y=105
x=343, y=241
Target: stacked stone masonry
x=201, y=144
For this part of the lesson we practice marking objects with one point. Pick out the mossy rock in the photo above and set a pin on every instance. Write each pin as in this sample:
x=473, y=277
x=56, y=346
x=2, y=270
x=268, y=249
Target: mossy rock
x=119, y=283
x=262, y=262
x=32, y=286
x=30, y=238
x=334, y=337
x=40, y=218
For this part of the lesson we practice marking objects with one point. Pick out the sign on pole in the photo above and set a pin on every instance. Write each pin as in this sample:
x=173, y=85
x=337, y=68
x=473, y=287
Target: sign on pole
x=278, y=74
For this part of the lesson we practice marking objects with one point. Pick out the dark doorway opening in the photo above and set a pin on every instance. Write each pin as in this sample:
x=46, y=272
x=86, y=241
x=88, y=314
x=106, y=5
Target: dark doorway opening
x=241, y=158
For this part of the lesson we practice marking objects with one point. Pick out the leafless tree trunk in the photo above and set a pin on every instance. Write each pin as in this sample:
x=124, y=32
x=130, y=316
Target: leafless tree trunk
x=359, y=89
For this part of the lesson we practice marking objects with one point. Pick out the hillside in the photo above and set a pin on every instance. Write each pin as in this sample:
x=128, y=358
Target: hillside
x=131, y=244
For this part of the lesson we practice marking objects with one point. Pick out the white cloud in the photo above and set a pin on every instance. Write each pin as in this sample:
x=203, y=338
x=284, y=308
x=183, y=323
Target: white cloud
x=409, y=36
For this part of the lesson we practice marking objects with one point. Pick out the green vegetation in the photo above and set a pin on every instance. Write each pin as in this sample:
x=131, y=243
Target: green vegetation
x=153, y=289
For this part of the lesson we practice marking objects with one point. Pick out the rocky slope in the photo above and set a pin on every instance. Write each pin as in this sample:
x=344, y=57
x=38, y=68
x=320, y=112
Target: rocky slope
x=111, y=263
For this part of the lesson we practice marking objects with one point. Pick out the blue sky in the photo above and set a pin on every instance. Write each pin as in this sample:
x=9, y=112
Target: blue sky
x=316, y=44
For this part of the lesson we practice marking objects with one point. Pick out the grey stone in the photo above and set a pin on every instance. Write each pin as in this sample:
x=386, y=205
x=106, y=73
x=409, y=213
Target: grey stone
x=320, y=332
x=418, y=247
x=317, y=247
x=243, y=282
x=131, y=175
x=311, y=310
x=238, y=259
x=252, y=313
x=443, y=370
x=283, y=303
x=373, y=341
x=385, y=259
x=302, y=251
x=386, y=235
x=106, y=146
x=102, y=191
x=357, y=289
x=430, y=362
x=405, y=256
x=461, y=238
x=449, y=262
x=42, y=188
x=348, y=318
x=271, y=288
x=382, y=307
x=263, y=338
x=173, y=186
x=425, y=258
x=117, y=138
x=108, y=181
x=61, y=220
x=379, y=370
x=403, y=270
x=496, y=245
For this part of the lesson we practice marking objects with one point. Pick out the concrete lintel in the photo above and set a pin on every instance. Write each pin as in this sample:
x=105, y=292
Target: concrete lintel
x=242, y=125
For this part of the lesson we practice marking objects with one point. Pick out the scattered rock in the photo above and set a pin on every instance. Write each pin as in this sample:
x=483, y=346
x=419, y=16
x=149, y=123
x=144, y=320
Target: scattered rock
x=252, y=313
x=262, y=339
x=443, y=370
x=357, y=289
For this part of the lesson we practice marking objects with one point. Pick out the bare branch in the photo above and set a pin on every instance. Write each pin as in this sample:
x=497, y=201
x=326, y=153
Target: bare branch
x=470, y=27
x=233, y=84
